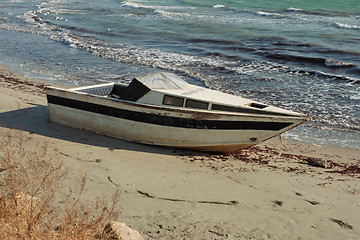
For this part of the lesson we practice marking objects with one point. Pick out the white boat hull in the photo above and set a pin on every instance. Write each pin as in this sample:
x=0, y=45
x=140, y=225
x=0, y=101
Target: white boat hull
x=156, y=125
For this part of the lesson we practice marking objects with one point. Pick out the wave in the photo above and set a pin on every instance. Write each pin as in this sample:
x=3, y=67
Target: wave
x=132, y=4
x=333, y=63
x=254, y=67
x=298, y=11
x=355, y=97
x=347, y=26
x=324, y=12
x=280, y=51
x=171, y=14
x=33, y=20
x=328, y=76
x=307, y=59
x=124, y=53
x=291, y=9
x=138, y=55
x=268, y=14
x=219, y=6
x=221, y=60
x=139, y=9
x=161, y=10
x=31, y=17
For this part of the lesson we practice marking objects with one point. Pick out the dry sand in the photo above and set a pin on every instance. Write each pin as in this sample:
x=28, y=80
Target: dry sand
x=260, y=193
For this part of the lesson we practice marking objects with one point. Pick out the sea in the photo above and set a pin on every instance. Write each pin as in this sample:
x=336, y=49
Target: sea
x=299, y=55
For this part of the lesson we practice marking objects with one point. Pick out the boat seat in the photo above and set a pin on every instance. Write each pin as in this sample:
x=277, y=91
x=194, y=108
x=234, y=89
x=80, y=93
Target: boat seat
x=134, y=91
x=117, y=91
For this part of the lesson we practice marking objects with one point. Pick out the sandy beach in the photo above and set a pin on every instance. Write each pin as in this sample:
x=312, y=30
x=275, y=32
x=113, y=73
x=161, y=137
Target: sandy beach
x=264, y=192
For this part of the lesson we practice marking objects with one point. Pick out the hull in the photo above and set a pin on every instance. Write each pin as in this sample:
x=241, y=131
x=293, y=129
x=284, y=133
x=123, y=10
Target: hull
x=164, y=126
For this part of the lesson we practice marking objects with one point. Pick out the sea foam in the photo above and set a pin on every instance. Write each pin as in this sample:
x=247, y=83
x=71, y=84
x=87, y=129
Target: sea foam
x=347, y=26
x=268, y=14
x=333, y=63
x=291, y=9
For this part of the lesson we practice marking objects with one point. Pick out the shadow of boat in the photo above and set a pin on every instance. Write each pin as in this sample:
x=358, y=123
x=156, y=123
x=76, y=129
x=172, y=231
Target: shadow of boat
x=35, y=120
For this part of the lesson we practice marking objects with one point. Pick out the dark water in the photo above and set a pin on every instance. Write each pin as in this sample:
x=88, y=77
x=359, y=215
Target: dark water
x=303, y=56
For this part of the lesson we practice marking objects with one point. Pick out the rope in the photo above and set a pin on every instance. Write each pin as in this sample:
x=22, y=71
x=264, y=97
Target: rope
x=313, y=162
x=282, y=140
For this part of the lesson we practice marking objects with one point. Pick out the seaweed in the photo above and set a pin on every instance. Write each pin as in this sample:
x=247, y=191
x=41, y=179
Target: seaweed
x=266, y=157
x=341, y=223
x=348, y=170
x=312, y=202
x=279, y=203
x=145, y=194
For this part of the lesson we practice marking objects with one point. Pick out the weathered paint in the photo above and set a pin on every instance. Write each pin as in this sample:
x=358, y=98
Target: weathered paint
x=145, y=131
x=161, y=118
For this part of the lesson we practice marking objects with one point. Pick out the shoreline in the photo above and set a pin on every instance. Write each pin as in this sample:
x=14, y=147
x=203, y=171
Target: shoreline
x=263, y=192
x=16, y=78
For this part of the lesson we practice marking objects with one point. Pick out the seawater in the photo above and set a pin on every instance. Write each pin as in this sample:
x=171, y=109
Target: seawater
x=300, y=55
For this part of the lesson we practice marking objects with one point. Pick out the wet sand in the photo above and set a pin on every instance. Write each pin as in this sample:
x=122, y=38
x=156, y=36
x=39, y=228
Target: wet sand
x=264, y=192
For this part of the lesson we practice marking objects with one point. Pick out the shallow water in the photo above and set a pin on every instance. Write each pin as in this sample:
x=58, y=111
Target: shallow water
x=303, y=56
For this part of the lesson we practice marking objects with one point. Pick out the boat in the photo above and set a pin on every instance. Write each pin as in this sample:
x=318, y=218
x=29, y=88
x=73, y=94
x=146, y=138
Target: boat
x=163, y=109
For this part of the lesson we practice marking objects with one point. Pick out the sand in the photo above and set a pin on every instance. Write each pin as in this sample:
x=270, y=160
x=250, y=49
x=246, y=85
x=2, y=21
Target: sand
x=261, y=193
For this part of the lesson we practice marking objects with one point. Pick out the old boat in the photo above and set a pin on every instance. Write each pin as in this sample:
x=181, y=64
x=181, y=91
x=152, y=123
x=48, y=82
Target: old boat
x=163, y=109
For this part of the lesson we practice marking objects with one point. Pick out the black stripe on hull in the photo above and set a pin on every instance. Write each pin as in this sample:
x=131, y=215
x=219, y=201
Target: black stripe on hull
x=166, y=120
